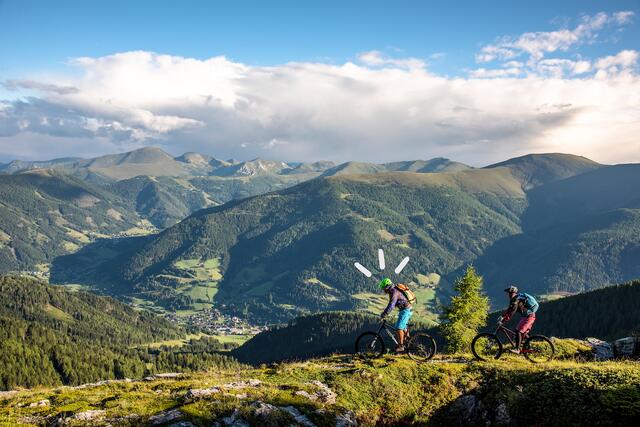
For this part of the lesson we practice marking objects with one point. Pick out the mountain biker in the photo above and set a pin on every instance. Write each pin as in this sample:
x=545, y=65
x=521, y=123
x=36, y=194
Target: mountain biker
x=397, y=299
x=527, y=306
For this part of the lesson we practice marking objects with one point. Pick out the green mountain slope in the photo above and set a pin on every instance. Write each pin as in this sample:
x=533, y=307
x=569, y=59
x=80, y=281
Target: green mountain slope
x=537, y=169
x=579, y=234
x=44, y=214
x=292, y=251
x=438, y=164
x=51, y=336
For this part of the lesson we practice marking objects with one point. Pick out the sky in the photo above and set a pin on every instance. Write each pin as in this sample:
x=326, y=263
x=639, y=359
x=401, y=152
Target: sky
x=380, y=81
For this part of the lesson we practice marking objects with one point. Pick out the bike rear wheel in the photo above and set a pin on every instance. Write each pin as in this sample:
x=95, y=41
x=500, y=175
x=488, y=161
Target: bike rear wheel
x=421, y=347
x=538, y=349
x=486, y=346
x=370, y=345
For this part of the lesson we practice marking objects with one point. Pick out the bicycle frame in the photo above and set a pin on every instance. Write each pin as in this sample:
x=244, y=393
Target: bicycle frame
x=386, y=327
x=511, y=336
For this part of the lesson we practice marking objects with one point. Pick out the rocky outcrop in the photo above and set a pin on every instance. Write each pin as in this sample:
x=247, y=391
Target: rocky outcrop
x=165, y=417
x=626, y=347
x=621, y=348
x=470, y=410
x=266, y=414
x=601, y=350
x=194, y=394
x=324, y=394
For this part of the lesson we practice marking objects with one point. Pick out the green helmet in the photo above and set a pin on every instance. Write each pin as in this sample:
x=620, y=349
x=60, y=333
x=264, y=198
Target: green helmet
x=385, y=283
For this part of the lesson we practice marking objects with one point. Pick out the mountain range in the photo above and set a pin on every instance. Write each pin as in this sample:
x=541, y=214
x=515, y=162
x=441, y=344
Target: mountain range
x=272, y=240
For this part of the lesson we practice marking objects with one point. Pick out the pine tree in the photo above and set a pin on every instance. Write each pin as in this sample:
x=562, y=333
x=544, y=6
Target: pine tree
x=466, y=314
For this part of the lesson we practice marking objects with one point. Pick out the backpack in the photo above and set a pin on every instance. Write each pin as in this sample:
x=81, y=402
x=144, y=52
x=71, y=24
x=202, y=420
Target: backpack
x=530, y=303
x=408, y=293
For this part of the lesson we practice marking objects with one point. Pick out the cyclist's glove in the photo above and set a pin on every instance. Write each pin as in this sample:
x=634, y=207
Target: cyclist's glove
x=500, y=320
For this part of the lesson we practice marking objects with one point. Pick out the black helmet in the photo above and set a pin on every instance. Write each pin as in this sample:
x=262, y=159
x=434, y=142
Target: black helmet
x=512, y=289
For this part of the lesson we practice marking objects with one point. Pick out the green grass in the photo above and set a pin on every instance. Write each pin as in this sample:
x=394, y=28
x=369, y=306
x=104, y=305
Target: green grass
x=175, y=343
x=392, y=390
x=186, y=264
x=58, y=314
x=260, y=290
x=233, y=339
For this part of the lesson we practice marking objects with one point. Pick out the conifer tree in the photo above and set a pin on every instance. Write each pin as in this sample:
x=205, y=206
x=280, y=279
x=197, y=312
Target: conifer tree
x=466, y=314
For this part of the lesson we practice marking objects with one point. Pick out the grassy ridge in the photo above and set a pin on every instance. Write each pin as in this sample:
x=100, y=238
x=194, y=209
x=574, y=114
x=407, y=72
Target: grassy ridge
x=390, y=391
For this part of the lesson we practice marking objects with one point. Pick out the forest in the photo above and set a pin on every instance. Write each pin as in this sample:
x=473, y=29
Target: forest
x=51, y=336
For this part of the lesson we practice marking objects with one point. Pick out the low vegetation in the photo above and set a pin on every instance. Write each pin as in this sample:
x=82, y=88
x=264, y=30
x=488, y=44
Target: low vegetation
x=389, y=391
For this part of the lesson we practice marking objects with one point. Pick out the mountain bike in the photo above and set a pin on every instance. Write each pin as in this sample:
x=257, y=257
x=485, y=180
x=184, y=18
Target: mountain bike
x=419, y=347
x=536, y=348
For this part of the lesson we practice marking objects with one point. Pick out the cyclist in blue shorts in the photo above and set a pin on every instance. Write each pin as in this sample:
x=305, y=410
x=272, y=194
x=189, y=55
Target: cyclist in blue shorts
x=398, y=299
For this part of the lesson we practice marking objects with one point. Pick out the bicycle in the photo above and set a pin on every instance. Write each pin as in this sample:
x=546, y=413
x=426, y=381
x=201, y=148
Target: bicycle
x=536, y=348
x=419, y=347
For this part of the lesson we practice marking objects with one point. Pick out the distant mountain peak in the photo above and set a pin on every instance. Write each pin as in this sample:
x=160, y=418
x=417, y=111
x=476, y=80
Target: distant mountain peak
x=541, y=168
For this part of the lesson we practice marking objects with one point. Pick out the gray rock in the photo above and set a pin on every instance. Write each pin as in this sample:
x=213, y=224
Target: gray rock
x=183, y=424
x=625, y=347
x=348, y=419
x=165, y=417
x=43, y=402
x=298, y=416
x=263, y=410
x=200, y=393
x=234, y=420
x=91, y=415
x=502, y=415
x=602, y=350
x=169, y=375
x=242, y=384
x=306, y=394
x=325, y=394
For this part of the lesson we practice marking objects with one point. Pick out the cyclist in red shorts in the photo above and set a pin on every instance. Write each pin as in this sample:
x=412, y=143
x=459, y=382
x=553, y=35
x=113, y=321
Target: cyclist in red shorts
x=527, y=306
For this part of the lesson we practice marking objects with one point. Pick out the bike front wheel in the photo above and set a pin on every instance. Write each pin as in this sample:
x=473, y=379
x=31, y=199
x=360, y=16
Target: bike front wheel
x=538, y=349
x=486, y=346
x=370, y=345
x=421, y=347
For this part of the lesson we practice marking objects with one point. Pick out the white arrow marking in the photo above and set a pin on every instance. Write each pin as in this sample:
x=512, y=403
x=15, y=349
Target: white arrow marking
x=381, y=259
x=362, y=269
x=402, y=265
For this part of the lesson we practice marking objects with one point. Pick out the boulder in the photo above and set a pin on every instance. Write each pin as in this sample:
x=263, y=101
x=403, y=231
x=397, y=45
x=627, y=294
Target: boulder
x=298, y=416
x=242, y=384
x=91, y=415
x=348, y=419
x=40, y=403
x=165, y=417
x=200, y=393
x=602, y=350
x=625, y=347
x=234, y=420
x=324, y=394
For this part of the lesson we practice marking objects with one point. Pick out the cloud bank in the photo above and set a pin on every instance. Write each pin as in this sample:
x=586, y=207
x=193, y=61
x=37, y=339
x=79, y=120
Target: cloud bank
x=375, y=108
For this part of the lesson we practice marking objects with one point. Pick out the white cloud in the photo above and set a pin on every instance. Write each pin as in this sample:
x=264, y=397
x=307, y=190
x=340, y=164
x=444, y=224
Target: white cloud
x=624, y=59
x=378, y=110
x=623, y=17
x=536, y=45
x=376, y=58
x=498, y=72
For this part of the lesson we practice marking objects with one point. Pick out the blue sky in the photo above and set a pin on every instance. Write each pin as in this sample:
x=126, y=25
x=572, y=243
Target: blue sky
x=425, y=48
x=36, y=34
